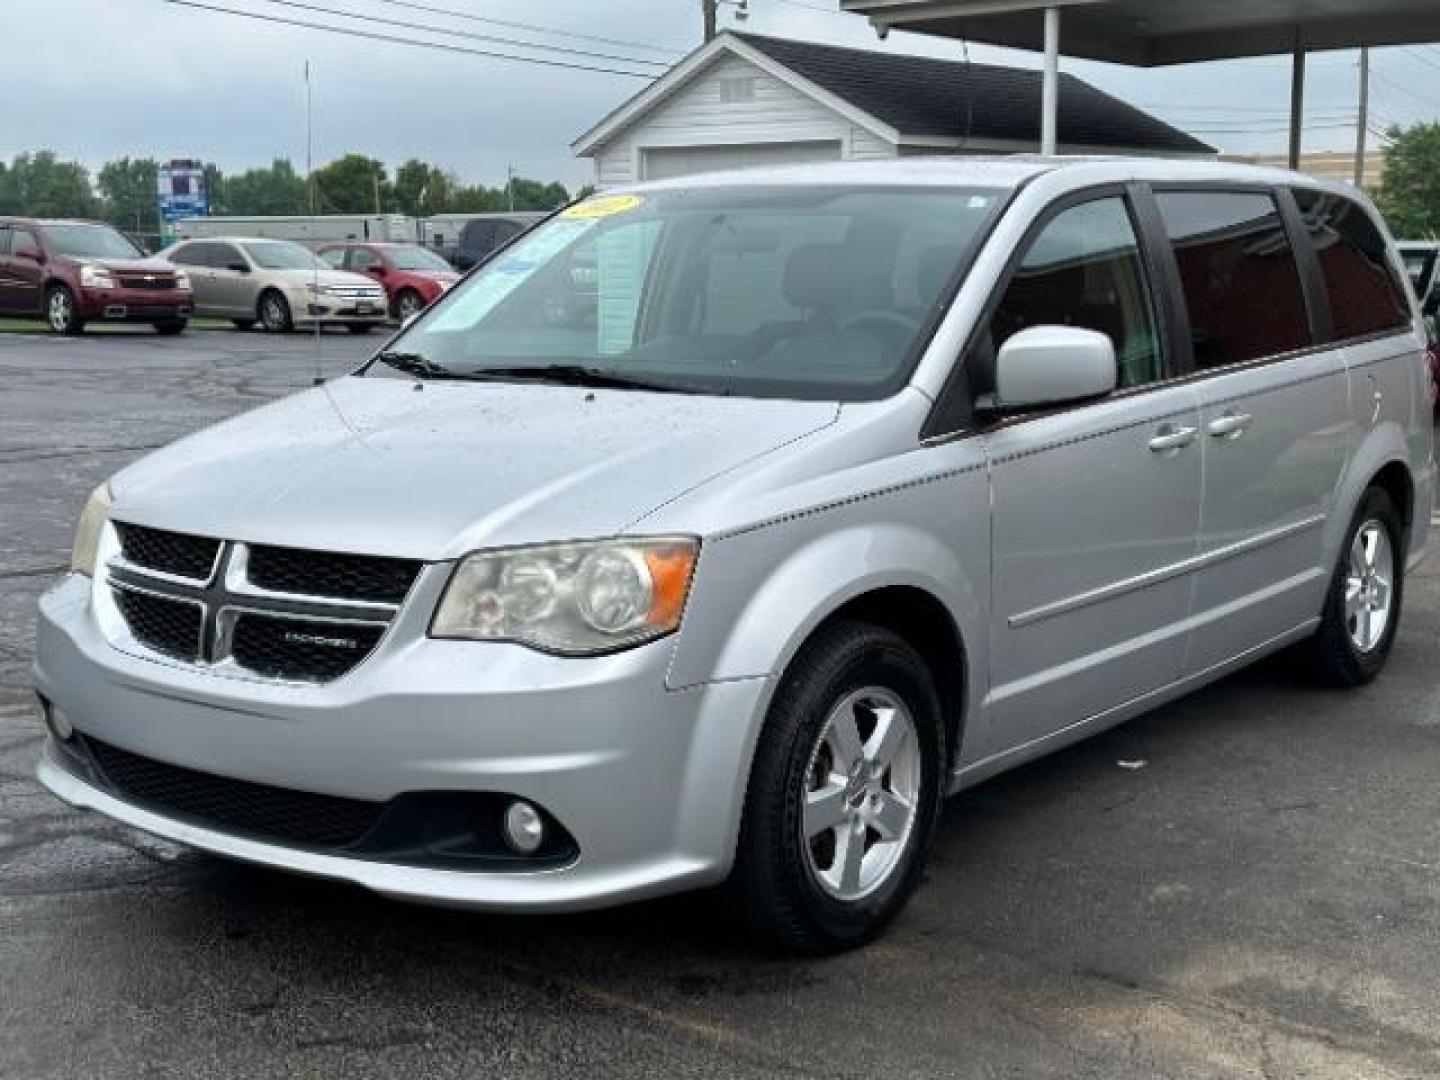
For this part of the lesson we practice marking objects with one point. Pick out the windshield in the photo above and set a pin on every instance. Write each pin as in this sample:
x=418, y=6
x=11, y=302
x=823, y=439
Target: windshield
x=803, y=292
x=281, y=255
x=417, y=258
x=90, y=241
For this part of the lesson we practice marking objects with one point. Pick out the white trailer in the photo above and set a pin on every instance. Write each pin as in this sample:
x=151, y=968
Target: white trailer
x=321, y=229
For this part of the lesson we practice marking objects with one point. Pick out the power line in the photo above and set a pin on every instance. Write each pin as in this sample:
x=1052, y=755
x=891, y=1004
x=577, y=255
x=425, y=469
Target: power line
x=370, y=35
x=428, y=28
x=532, y=27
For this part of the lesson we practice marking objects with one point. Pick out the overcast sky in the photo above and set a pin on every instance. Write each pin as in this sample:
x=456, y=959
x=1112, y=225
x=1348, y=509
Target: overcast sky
x=96, y=79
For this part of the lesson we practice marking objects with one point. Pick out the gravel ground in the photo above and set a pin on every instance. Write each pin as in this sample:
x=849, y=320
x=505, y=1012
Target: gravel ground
x=1261, y=899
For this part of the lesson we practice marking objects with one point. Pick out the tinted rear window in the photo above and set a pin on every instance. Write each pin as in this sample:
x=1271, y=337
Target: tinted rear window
x=1366, y=293
x=1241, y=283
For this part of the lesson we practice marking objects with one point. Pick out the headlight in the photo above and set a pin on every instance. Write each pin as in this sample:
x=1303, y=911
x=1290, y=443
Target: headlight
x=87, y=532
x=182, y=280
x=96, y=277
x=572, y=599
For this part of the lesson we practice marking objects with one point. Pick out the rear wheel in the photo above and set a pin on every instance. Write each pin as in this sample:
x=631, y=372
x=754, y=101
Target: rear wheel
x=171, y=327
x=60, y=311
x=1362, y=609
x=843, y=794
x=275, y=313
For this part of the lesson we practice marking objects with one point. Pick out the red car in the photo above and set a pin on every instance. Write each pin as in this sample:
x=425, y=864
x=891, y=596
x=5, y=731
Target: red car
x=1433, y=355
x=413, y=276
x=74, y=272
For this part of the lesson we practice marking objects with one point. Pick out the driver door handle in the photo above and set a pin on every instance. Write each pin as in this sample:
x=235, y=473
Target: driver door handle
x=1230, y=426
x=1170, y=438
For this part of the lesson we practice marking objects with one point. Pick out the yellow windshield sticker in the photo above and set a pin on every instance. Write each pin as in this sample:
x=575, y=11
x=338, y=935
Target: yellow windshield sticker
x=604, y=206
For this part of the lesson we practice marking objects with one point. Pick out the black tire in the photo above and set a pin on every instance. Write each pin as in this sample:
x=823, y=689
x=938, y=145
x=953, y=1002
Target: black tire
x=360, y=327
x=61, y=313
x=408, y=303
x=1336, y=657
x=274, y=312
x=244, y=324
x=775, y=880
x=171, y=327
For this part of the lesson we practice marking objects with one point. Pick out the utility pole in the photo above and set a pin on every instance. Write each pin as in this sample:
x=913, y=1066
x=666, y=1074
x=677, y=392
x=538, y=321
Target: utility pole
x=309, y=143
x=375, y=182
x=1363, y=123
x=711, y=10
x=510, y=186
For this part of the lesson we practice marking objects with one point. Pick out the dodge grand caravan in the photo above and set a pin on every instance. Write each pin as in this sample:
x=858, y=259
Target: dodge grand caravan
x=822, y=494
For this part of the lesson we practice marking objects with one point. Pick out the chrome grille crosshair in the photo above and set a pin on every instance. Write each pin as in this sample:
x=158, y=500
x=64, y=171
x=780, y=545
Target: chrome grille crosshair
x=304, y=634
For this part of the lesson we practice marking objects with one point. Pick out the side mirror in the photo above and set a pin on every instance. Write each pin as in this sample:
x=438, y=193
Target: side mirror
x=1052, y=365
x=28, y=252
x=238, y=267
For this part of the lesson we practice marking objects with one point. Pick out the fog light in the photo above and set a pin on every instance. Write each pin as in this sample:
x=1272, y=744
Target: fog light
x=524, y=828
x=60, y=725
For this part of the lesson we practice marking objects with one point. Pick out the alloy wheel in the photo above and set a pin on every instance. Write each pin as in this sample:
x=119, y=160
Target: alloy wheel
x=61, y=311
x=1369, y=586
x=862, y=794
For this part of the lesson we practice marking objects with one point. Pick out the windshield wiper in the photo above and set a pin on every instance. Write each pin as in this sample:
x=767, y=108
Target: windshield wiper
x=581, y=375
x=414, y=364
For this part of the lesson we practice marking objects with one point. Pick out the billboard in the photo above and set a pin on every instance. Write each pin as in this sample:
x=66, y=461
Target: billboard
x=180, y=188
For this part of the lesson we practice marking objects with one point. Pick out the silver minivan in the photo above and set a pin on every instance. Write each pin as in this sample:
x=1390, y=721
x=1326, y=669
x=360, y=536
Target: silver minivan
x=717, y=529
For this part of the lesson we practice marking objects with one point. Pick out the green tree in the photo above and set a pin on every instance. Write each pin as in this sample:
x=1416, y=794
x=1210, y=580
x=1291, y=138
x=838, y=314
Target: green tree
x=131, y=201
x=44, y=186
x=215, y=189
x=422, y=190
x=9, y=193
x=534, y=195
x=1410, y=192
x=353, y=184
x=276, y=190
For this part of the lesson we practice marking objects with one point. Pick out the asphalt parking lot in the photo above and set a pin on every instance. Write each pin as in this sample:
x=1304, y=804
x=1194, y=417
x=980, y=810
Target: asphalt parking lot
x=1260, y=897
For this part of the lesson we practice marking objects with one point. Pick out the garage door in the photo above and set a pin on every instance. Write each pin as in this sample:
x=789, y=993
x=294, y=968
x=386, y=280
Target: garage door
x=661, y=163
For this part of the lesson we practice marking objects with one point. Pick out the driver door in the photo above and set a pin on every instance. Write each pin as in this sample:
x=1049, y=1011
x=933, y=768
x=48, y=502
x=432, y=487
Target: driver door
x=1095, y=506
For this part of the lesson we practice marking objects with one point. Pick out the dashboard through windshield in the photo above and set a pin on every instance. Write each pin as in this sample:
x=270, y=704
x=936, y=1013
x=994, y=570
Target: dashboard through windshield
x=822, y=293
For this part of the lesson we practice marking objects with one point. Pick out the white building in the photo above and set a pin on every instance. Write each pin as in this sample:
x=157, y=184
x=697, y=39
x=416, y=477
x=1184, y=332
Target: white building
x=747, y=100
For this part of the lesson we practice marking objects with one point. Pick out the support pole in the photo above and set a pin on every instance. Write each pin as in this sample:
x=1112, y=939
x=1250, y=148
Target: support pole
x=1297, y=103
x=1363, y=125
x=1050, y=93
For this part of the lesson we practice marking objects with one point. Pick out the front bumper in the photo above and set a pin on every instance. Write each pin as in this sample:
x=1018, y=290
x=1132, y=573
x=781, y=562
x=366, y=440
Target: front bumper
x=649, y=781
x=308, y=307
x=133, y=305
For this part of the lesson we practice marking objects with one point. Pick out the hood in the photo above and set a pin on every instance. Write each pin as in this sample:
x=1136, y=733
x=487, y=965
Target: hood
x=377, y=466
x=151, y=265
x=301, y=278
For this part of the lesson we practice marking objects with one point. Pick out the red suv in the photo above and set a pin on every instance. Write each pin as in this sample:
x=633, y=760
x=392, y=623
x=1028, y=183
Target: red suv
x=412, y=275
x=73, y=272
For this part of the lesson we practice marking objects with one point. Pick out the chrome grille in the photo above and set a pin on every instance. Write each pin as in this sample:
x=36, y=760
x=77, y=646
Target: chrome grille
x=285, y=614
x=157, y=282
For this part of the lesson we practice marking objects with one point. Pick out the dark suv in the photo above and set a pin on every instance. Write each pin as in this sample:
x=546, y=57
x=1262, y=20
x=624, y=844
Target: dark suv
x=74, y=272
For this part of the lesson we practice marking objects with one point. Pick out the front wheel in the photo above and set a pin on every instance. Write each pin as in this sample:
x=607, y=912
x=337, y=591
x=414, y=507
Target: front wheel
x=61, y=312
x=843, y=794
x=1362, y=609
x=408, y=304
x=275, y=313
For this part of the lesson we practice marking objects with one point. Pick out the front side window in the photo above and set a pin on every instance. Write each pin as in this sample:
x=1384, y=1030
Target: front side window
x=23, y=240
x=226, y=257
x=190, y=255
x=90, y=241
x=819, y=293
x=1239, y=276
x=1084, y=270
x=1366, y=294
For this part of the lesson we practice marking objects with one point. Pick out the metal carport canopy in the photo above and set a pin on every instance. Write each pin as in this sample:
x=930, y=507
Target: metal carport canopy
x=1150, y=33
